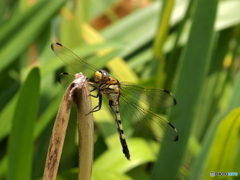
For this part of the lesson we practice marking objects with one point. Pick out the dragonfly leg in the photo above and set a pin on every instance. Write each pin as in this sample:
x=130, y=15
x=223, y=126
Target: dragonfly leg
x=99, y=106
x=93, y=89
x=94, y=95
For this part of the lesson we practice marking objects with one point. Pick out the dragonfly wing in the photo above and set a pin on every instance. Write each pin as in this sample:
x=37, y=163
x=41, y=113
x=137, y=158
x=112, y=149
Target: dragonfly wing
x=146, y=121
x=72, y=60
x=153, y=97
x=65, y=79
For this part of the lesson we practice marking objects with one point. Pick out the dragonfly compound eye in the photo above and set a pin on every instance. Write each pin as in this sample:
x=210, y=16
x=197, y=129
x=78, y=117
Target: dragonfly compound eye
x=101, y=76
x=97, y=76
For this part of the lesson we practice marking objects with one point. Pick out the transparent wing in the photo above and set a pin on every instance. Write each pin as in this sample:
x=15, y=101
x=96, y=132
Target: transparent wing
x=158, y=98
x=146, y=121
x=72, y=60
x=65, y=79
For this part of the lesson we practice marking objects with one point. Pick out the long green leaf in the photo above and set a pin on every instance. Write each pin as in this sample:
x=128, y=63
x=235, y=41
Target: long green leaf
x=214, y=85
x=190, y=76
x=102, y=175
x=17, y=22
x=225, y=144
x=198, y=165
x=6, y=117
x=20, y=149
x=163, y=27
x=142, y=151
x=34, y=23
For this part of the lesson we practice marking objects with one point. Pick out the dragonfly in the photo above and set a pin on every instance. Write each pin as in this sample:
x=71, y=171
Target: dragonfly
x=125, y=100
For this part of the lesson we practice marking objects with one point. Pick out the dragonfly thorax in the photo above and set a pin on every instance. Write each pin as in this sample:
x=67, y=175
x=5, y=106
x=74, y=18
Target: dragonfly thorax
x=101, y=76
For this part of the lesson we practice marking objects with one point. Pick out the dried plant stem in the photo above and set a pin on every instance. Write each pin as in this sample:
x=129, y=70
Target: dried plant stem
x=77, y=92
x=57, y=139
x=85, y=130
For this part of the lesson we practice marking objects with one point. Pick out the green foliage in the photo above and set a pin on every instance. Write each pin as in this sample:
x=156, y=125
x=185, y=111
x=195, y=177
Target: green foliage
x=20, y=148
x=226, y=137
x=190, y=76
x=189, y=47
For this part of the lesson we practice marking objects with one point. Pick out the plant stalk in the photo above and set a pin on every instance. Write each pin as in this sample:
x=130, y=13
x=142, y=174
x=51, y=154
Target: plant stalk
x=78, y=93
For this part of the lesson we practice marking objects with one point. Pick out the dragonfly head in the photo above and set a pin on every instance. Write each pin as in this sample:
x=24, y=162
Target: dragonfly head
x=101, y=76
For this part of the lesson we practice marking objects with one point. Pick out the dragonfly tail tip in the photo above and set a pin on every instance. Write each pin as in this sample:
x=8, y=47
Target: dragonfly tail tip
x=176, y=138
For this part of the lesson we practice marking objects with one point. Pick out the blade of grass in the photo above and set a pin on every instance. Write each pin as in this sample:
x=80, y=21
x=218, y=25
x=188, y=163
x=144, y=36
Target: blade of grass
x=198, y=165
x=46, y=116
x=172, y=63
x=103, y=175
x=190, y=76
x=3, y=167
x=22, y=37
x=161, y=36
x=224, y=145
x=142, y=151
x=148, y=15
x=213, y=85
x=10, y=27
x=163, y=28
x=20, y=149
x=227, y=16
x=3, y=8
x=7, y=116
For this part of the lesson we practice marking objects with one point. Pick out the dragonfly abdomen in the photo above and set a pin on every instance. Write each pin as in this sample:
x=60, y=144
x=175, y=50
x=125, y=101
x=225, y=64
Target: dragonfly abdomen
x=115, y=109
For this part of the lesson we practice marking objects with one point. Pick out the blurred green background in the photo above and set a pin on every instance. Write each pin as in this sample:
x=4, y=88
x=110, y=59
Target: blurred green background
x=189, y=47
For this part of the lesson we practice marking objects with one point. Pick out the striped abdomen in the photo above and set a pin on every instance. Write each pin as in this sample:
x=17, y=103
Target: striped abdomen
x=115, y=109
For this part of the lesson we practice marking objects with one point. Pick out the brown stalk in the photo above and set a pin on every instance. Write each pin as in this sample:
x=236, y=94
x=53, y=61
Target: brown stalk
x=78, y=93
x=85, y=132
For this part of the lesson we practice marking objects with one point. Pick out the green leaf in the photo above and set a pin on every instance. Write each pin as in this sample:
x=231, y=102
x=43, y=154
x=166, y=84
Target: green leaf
x=228, y=14
x=19, y=37
x=224, y=148
x=46, y=116
x=190, y=77
x=103, y=175
x=3, y=167
x=138, y=33
x=6, y=117
x=199, y=163
x=163, y=27
x=20, y=148
x=141, y=151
